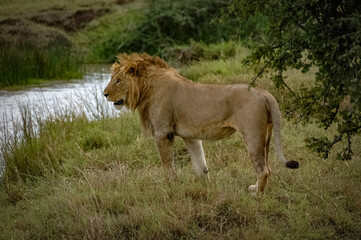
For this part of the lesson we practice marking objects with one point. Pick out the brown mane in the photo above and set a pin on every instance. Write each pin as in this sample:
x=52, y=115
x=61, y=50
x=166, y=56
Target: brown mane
x=126, y=60
x=135, y=69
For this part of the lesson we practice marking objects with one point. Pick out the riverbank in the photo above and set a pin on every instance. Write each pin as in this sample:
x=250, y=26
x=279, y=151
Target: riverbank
x=102, y=179
x=37, y=38
x=54, y=38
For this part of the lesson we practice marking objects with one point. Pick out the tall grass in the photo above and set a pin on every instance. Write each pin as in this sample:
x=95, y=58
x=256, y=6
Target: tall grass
x=105, y=181
x=25, y=135
x=102, y=179
x=22, y=62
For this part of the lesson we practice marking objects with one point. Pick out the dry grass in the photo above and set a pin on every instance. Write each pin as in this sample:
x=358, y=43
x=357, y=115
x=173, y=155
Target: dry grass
x=116, y=189
x=23, y=8
x=105, y=182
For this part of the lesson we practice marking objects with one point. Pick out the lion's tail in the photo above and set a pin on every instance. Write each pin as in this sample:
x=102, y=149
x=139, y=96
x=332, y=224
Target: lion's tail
x=276, y=120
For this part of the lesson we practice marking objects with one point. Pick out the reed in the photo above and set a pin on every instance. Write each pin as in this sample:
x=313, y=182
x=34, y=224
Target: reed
x=27, y=147
x=22, y=63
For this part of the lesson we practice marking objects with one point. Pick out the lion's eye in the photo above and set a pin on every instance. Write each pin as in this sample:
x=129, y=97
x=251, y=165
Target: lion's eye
x=118, y=81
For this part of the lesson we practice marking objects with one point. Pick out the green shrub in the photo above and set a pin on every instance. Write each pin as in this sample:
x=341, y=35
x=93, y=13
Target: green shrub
x=196, y=51
x=253, y=30
x=168, y=23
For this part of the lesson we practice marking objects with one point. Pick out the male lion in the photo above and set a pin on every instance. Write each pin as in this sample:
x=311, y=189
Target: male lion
x=171, y=105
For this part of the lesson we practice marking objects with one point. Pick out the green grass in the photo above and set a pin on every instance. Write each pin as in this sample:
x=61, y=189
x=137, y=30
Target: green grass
x=32, y=51
x=21, y=64
x=95, y=39
x=137, y=26
x=108, y=183
x=103, y=180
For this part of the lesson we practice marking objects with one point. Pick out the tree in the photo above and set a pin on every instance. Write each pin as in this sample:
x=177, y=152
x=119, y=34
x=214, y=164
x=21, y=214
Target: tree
x=321, y=33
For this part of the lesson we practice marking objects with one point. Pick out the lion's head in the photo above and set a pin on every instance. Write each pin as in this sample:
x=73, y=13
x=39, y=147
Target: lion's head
x=129, y=81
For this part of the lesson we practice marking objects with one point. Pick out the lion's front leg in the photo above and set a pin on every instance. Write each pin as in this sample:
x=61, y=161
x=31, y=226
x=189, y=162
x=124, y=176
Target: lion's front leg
x=165, y=144
x=195, y=150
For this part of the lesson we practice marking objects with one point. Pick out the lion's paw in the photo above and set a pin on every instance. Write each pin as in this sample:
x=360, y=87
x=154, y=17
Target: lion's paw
x=252, y=188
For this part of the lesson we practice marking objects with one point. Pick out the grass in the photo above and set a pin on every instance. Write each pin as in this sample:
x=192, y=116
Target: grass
x=108, y=183
x=21, y=64
x=94, y=39
x=102, y=179
x=124, y=27
x=31, y=51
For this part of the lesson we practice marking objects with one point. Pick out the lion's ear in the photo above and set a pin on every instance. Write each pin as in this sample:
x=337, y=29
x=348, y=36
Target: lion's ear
x=131, y=69
x=136, y=69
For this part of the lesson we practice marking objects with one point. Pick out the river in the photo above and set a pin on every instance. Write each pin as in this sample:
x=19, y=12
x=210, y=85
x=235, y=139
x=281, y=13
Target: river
x=54, y=98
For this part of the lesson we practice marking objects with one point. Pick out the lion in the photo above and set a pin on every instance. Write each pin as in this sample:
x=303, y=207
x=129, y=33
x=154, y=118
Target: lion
x=170, y=105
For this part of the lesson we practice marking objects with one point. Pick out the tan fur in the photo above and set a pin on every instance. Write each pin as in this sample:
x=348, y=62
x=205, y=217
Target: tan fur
x=170, y=105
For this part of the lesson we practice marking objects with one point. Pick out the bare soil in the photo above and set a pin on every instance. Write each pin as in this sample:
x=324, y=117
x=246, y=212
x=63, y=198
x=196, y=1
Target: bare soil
x=67, y=20
x=47, y=27
x=22, y=31
x=121, y=2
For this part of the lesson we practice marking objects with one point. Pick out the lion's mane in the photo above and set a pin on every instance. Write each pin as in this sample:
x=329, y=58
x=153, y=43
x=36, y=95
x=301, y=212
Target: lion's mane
x=134, y=67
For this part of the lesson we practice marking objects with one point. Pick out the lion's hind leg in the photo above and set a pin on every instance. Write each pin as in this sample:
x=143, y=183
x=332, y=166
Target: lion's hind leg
x=262, y=178
x=257, y=143
x=196, y=152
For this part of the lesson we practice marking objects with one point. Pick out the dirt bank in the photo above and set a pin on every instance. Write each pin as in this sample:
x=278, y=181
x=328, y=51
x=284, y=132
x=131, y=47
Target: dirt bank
x=22, y=31
x=67, y=20
x=48, y=26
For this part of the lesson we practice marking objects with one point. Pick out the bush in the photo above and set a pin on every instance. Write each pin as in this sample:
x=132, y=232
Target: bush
x=168, y=23
x=196, y=51
x=306, y=35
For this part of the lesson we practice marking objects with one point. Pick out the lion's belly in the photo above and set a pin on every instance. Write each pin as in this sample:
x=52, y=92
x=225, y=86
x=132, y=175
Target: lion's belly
x=204, y=133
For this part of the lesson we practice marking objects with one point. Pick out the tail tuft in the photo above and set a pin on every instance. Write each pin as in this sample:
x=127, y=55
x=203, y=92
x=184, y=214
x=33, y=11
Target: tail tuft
x=292, y=164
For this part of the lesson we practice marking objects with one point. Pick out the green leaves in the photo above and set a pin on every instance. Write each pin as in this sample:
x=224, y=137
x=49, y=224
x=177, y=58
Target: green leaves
x=301, y=34
x=166, y=23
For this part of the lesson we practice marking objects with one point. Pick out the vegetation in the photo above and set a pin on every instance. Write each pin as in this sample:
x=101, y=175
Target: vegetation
x=67, y=176
x=151, y=26
x=22, y=63
x=37, y=38
x=78, y=178
x=167, y=23
x=96, y=40
x=325, y=34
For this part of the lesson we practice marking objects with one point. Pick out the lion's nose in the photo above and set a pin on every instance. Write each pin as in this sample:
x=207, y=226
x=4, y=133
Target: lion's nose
x=106, y=94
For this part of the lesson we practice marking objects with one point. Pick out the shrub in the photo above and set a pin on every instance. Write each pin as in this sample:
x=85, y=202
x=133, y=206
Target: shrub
x=168, y=23
x=196, y=51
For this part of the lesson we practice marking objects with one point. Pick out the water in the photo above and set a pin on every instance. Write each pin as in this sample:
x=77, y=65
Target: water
x=54, y=98
x=55, y=95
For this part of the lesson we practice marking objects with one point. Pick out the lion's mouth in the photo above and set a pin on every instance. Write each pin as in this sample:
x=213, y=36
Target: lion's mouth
x=119, y=102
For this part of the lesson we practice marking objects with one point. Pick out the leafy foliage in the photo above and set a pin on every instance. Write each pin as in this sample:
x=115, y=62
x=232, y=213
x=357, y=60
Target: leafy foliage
x=303, y=34
x=170, y=22
x=196, y=51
